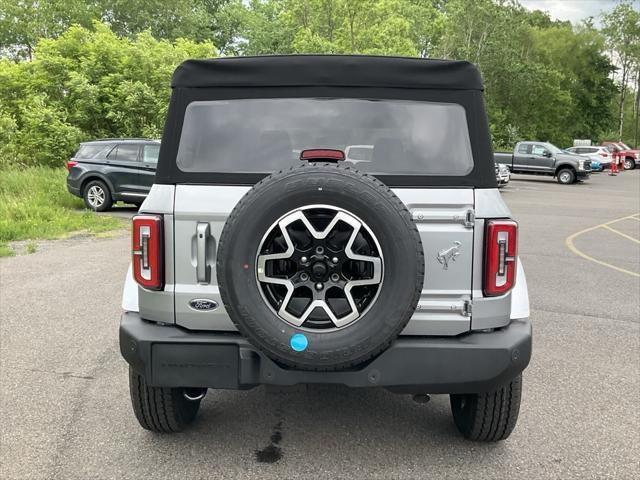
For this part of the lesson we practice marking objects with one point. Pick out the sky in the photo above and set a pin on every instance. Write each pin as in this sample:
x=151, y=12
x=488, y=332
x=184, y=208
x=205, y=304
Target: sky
x=573, y=10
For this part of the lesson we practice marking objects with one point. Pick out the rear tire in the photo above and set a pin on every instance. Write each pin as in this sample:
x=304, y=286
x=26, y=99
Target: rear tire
x=629, y=163
x=488, y=417
x=566, y=176
x=97, y=196
x=162, y=410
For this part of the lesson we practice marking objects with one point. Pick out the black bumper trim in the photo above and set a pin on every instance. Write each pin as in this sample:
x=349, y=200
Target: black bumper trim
x=171, y=356
x=72, y=189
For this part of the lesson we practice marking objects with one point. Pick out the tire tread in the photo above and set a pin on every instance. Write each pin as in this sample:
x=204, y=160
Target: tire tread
x=491, y=416
x=160, y=409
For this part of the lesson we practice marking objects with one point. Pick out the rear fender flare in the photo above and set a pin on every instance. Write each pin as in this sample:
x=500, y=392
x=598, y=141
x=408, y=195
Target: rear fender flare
x=92, y=175
x=562, y=166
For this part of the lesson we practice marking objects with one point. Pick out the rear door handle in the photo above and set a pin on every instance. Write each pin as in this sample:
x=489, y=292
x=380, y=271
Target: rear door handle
x=202, y=269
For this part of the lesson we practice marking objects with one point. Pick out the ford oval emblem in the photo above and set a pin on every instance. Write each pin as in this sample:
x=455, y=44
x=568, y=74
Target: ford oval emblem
x=203, y=304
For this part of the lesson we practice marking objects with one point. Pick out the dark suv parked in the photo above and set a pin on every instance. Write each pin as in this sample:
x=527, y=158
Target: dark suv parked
x=114, y=169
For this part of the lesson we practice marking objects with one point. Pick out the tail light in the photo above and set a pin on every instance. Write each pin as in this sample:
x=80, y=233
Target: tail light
x=604, y=154
x=71, y=164
x=500, y=243
x=147, y=251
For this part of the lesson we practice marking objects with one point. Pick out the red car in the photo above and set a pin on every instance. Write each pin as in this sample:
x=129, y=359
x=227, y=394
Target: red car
x=619, y=149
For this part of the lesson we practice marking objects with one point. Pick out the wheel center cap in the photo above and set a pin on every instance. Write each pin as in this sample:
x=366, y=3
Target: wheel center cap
x=319, y=270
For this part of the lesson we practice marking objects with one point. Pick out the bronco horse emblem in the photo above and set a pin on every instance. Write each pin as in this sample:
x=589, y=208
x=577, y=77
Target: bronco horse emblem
x=448, y=254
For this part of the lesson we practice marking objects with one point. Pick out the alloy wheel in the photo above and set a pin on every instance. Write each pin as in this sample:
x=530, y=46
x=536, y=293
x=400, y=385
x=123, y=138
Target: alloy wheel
x=96, y=196
x=319, y=267
x=565, y=177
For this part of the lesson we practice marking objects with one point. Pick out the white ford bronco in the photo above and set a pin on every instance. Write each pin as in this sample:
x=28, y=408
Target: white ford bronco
x=265, y=255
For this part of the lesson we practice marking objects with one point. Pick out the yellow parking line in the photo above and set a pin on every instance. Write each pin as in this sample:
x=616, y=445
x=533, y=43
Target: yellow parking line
x=620, y=233
x=572, y=247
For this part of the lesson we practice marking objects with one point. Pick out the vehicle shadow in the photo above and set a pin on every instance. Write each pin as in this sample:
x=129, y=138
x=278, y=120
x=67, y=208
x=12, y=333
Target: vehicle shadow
x=331, y=425
x=543, y=180
x=121, y=211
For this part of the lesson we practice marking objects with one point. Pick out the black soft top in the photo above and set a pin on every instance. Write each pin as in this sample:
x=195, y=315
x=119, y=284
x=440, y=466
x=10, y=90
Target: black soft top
x=328, y=70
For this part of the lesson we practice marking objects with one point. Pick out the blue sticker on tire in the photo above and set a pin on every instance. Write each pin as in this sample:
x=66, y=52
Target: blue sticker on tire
x=299, y=342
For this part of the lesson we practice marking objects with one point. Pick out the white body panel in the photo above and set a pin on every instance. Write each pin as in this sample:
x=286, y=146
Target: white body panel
x=130, y=293
x=520, y=295
x=451, y=301
x=441, y=216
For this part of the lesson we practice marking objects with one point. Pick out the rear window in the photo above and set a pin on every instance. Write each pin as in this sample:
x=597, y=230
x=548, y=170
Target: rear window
x=381, y=136
x=99, y=150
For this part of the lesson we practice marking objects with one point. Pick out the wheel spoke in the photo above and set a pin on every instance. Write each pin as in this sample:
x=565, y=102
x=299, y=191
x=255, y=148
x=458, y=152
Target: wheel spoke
x=96, y=196
x=326, y=267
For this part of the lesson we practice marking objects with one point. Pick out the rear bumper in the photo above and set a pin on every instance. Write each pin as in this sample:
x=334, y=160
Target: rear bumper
x=73, y=187
x=171, y=356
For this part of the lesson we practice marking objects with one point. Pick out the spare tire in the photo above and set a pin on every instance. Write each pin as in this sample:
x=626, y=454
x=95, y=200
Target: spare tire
x=320, y=266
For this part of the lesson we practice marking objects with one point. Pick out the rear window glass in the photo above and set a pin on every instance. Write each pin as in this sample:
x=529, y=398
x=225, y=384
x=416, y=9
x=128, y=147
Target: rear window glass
x=381, y=136
x=94, y=151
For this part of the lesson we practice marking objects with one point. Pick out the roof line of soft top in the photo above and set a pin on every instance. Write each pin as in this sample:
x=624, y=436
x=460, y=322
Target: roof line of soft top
x=328, y=70
x=122, y=139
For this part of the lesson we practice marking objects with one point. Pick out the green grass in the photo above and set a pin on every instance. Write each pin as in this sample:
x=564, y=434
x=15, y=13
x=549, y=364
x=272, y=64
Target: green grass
x=32, y=247
x=6, y=250
x=35, y=204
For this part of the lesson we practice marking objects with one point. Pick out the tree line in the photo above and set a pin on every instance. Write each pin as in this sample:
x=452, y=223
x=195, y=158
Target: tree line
x=74, y=70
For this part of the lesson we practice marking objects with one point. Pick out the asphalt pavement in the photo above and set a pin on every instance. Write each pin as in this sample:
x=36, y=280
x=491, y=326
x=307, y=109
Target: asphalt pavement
x=65, y=410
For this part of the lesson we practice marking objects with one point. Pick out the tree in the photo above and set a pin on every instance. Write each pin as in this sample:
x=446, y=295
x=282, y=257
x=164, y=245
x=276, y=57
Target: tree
x=167, y=20
x=427, y=19
x=86, y=84
x=24, y=22
x=222, y=22
x=265, y=29
x=544, y=80
x=622, y=29
x=579, y=54
x=328, y=26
